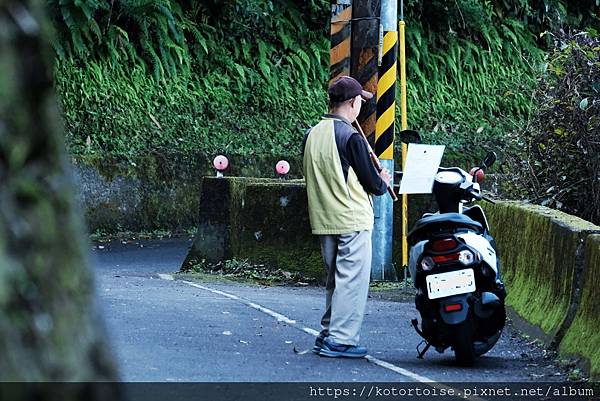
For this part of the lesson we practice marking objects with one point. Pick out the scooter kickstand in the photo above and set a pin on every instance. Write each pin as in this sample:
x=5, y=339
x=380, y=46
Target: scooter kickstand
x=422, y=353
x=415, y=324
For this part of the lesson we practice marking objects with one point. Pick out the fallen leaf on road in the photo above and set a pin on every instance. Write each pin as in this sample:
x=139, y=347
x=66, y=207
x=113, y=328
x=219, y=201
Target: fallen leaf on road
x=227, y=333
x=288, y=342
x=244, y=342
x=225, y=313
x=300, y=352
x=536, y=376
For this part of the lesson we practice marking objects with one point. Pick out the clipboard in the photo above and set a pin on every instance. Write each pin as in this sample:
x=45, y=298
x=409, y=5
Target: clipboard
x=421, y=167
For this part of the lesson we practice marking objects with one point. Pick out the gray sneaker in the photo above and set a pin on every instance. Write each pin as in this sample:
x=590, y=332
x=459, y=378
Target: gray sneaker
x=335, y=350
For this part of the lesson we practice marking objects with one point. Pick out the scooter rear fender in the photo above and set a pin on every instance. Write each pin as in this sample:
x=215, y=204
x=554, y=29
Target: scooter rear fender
x=455, y=317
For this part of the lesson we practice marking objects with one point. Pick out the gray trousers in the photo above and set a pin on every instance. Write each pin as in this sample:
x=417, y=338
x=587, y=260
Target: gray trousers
x=347, y=259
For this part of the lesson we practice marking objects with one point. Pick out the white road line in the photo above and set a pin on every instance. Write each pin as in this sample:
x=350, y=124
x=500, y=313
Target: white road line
x=282, y=318
x=211, y=290
x=310, y=331
x=279, y=317
x=400, y=370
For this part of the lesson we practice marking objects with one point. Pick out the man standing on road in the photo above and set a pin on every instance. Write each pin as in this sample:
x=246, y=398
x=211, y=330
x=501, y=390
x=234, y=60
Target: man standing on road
x=339, y=180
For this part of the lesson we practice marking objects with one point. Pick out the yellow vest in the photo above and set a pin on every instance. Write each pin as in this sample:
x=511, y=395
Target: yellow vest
x=334, y=205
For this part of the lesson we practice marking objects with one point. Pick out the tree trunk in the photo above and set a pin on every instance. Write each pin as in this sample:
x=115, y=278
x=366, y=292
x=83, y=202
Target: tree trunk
x=50, y=329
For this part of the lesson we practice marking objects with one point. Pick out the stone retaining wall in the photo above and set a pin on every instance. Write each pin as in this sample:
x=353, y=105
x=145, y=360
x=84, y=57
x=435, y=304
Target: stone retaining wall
x=542, y=254
x=156, y=192
x=583, y=336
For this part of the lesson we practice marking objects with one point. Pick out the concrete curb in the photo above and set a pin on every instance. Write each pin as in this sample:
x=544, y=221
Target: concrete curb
x=582, y=339
x=543, y=277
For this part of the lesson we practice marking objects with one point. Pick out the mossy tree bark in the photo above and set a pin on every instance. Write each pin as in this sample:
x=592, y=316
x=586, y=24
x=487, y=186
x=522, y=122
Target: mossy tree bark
x=49, y=326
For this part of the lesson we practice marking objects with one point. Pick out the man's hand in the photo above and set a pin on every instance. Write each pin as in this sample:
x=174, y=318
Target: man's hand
x=385, y=176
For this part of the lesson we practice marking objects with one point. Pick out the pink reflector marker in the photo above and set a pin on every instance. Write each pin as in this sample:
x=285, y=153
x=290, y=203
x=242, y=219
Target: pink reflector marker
x=221, y=162
x=282, y=167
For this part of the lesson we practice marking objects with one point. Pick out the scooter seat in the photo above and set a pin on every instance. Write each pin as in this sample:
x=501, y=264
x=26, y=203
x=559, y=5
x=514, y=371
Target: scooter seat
x=438, y=223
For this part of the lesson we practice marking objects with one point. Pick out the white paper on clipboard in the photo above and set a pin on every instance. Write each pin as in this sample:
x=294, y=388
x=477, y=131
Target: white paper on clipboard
x=422, y=163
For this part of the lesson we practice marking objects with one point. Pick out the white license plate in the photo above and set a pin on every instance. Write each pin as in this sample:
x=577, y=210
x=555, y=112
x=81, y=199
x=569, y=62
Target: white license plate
x=451, y=283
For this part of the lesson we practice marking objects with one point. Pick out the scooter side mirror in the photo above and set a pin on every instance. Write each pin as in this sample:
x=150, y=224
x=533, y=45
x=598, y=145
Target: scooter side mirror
x=409, y=136
x=489, y=160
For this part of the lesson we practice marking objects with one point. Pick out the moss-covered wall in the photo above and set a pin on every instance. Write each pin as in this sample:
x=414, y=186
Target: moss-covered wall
x=158, y=191
x=583, y=337
x=266, y=220
x=274, y=227
x=263, y=220
x=542, y=262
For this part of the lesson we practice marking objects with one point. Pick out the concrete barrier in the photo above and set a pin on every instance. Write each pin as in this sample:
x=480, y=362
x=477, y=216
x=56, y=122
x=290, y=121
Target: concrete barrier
x=583, y=336
x=542, y=254
x=266, y=220
x=262, y=220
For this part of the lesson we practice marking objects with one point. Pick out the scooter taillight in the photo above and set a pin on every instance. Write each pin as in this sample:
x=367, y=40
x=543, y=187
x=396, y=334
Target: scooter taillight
x=466, y=257
x=452, y=307
x=442, y=245
x=445, y=258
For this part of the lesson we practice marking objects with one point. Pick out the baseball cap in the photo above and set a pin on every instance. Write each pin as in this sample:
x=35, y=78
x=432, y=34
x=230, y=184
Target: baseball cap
x=345, y=87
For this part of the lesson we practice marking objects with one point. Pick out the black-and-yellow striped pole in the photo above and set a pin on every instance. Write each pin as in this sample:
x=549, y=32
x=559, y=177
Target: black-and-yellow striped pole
x=386, y=98
x=339, y=55
x=365, y=56
x=382, y=266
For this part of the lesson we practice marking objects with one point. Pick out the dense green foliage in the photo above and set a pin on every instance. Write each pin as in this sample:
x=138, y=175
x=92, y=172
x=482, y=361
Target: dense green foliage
x=241, y=81
x=247, y=77
x=473, y=66
x=558, y=163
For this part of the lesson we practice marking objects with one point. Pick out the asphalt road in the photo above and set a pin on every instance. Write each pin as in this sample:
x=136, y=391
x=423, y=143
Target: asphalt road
x=173, y=331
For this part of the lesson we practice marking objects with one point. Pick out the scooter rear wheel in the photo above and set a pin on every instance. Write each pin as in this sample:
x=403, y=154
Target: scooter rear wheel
x=464, y=351
x=481, y=347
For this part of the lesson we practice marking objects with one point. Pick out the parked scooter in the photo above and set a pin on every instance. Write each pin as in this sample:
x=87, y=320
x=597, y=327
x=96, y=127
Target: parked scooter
x=455, y=269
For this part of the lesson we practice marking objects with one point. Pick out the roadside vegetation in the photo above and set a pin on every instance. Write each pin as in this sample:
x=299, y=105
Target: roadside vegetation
x=245, y=271
x=556, y=157
x=178, y=80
